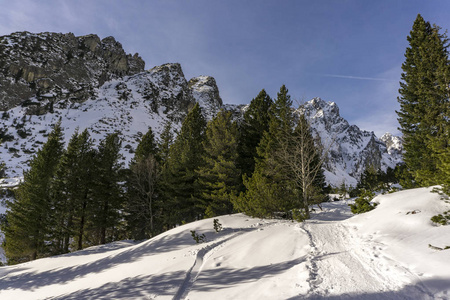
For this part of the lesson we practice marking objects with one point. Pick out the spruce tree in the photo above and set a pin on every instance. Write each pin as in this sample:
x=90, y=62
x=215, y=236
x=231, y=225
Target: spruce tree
x=270, y=188
x=424, y=98
x=254, y=123
x=180, y=179
x=108, y=192
x=146, y=146
x=29, y=216
x=219, y=177
x=72, y=191
x=143, y=209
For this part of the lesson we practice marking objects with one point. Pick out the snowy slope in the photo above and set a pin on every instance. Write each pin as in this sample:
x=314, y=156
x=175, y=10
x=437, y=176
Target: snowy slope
x=383, y=254
x=129, y=105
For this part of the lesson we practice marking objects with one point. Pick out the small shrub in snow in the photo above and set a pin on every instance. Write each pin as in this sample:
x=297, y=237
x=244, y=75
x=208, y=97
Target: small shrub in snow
x=442, y=219
x=198, y=238
x=362, y=203
x=217, y=226
x=298, y=215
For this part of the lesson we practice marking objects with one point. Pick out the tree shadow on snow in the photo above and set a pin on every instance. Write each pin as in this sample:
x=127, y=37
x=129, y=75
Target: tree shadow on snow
x=409, y=292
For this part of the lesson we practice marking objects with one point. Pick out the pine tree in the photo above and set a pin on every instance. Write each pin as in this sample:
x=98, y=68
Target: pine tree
x=29, y=216
x=143, y=208
x=108, y=192
x=424, y=114
x=146, y=146
x=219, y=177
x=166, y=140
x=179, y=176
x=72, y=191
x=251, y=130
x=270, y=189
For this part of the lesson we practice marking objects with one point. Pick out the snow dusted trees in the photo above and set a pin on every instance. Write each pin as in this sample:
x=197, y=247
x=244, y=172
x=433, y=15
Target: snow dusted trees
x=424, y=114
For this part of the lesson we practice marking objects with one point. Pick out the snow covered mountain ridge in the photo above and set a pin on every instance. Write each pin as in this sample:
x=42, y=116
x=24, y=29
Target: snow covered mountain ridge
x=92, y=83
x=349, y=149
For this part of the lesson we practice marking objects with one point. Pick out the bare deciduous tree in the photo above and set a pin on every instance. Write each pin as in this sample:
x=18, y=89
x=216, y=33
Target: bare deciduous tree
x=302, y=157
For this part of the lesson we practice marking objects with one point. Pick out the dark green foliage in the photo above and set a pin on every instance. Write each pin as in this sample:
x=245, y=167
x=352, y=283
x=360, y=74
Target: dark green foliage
x=198, y=238
x=362, y=203
x=144, y=208
x=146, y=146
x=255, y=122
x=270, y=188
x=166, y=140
x=179, y=175
x=442, y=219
x=219, y=178
x=72, y=193
x=424, y=104
x=108, y=193
x=28, y=219
x=288, y=173
x=217, y=226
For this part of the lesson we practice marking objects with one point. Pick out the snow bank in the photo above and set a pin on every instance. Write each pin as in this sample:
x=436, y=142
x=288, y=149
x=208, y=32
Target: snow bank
x=382, y=254
x=401, y=226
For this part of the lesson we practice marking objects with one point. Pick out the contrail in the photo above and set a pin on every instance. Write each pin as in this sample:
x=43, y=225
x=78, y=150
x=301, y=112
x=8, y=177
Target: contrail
x=355, y=77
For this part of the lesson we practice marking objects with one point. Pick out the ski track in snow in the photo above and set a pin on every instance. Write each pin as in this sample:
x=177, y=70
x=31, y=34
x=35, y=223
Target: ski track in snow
x=341, y=261
x=202, y=257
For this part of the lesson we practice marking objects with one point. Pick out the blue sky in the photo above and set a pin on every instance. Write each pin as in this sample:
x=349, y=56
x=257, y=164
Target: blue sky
x=349, y=52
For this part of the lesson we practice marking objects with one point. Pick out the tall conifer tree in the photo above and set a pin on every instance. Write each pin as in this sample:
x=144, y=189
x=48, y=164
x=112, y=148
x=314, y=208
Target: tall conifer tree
x=72, y=191
x=424, y=97
x=108, y=193
x=180, y=178
x=254, y=123
x=219, y=177
x=270, y=189
x=29, y=216
x=143, y=204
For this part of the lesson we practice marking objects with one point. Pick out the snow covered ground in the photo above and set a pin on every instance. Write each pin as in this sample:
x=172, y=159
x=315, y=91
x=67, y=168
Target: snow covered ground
x=382, y=254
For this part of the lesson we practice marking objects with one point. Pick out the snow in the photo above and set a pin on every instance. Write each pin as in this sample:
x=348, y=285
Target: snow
x=382, y=254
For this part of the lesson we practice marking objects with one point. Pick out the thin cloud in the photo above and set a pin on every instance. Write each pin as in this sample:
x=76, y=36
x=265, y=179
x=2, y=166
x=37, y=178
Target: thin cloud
x=355, y=77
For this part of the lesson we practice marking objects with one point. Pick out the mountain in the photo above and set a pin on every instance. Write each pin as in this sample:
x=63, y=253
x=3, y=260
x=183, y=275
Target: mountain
x=349, y=150
x=56, y=66
x=332, y=256
x=89, y=82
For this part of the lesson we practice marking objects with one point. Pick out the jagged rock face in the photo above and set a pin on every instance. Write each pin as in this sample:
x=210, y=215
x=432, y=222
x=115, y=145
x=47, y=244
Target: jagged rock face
x=349, y=149
x=206, y=92
x=56, y=66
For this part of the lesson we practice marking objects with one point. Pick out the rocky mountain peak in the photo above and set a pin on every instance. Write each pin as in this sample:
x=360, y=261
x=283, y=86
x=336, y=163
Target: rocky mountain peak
x=349, y=149
x=206, y=92
x=56, y=66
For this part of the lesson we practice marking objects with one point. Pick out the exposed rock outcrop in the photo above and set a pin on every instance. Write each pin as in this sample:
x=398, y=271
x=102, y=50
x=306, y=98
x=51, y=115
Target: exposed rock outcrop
x=56, y=66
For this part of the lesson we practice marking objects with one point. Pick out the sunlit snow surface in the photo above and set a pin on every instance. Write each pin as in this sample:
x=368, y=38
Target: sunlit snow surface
x=383, y=254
